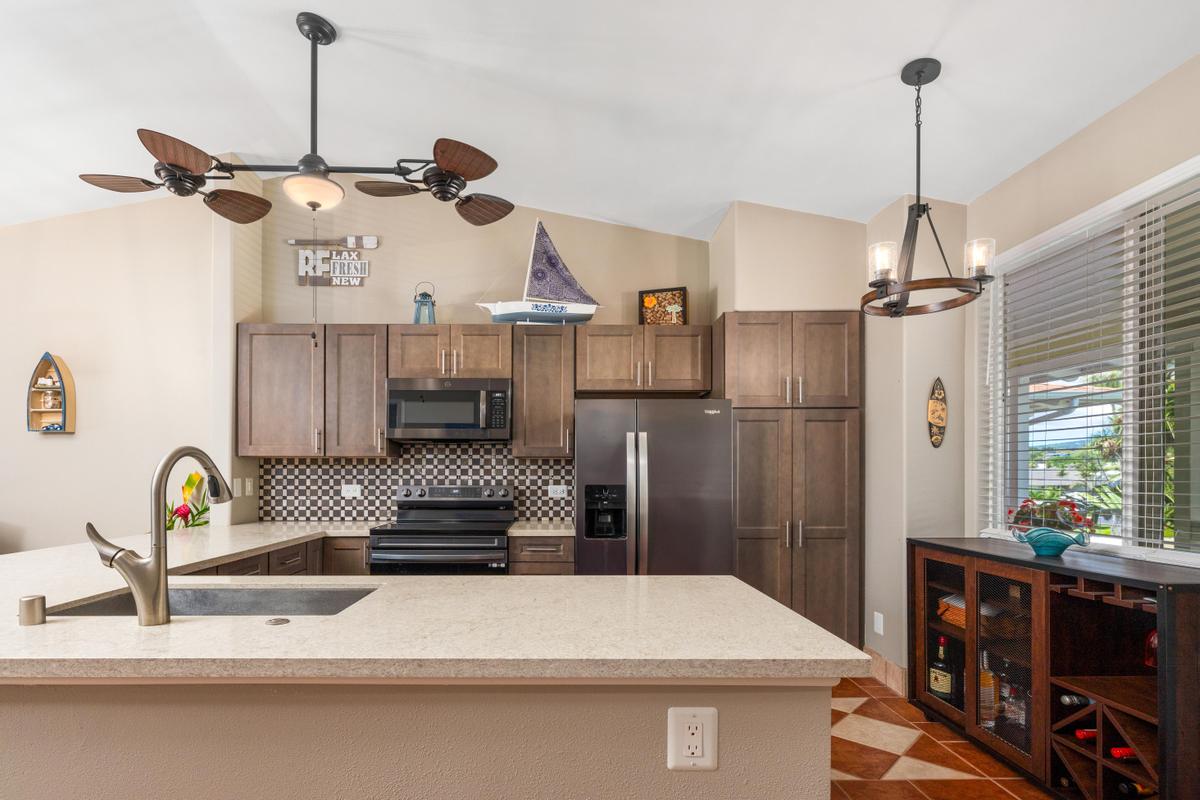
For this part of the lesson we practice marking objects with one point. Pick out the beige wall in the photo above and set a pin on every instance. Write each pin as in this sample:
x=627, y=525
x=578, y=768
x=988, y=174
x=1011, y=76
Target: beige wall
x=722, y=264
x=1155, y=130
x=912, y=488
x=789, y=260
x=124, y=295
x=402, y=743
x=423, y=239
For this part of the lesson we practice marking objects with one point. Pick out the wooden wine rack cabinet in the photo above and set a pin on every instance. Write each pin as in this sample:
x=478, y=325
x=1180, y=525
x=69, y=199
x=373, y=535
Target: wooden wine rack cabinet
x=1075, y=625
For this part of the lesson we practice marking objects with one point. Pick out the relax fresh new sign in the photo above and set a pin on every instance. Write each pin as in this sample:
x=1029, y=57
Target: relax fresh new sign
x=334, y=266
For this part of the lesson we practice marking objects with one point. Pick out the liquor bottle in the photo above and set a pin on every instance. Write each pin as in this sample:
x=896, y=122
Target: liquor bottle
x=1004, y=686
x=1122, y=753
x=941, y=676
x=987, y=695
x=1075, y=700
x=1085, y=734
x=1134, y=789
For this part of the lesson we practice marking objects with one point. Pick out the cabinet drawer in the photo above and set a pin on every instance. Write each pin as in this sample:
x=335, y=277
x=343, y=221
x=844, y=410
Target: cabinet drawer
x=541, y=568
x=541, y=548
x=288, y=560
x=254, y=565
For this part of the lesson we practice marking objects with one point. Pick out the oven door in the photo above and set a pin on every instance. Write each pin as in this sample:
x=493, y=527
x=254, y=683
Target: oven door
x=438, y=555
x=436, y=408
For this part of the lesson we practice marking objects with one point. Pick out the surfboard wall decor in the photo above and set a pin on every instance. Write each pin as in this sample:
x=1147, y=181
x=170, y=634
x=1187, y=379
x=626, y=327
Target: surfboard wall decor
x=936, y=413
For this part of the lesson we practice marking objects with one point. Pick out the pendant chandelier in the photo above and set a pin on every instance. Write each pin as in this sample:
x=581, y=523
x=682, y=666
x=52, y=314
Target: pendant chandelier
x=890, y=274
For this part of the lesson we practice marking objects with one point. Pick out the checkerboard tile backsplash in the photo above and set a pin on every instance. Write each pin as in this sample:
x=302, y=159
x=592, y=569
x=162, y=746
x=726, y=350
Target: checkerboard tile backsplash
x=300, y=489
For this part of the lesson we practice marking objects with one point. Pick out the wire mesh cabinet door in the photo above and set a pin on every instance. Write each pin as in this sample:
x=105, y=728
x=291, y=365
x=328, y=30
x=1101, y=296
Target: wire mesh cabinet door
x=1009, y=714
x=942, y=642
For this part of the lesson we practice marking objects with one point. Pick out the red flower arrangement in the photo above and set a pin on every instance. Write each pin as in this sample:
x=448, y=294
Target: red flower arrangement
x=1063, y=515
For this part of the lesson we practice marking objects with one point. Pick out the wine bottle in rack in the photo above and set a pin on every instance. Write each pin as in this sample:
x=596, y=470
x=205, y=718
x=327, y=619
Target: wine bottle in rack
x=941, y=676
x=1135, y=789
x=1085, y=734
x=1122, y=753
x=1075, y=700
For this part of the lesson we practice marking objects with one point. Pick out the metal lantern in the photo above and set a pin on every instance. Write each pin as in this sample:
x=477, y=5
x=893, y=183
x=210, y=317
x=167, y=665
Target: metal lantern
x=423, y=305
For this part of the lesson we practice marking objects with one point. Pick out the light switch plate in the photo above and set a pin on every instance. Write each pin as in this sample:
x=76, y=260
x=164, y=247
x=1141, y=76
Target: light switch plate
x=692, y=738
x=249, y=487
x=237, y=487
x=351, y=490
x=878, y=623
x=558, y=490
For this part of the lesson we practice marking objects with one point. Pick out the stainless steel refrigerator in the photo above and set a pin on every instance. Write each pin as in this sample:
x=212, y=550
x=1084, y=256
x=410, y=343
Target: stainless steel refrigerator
x=653, y=487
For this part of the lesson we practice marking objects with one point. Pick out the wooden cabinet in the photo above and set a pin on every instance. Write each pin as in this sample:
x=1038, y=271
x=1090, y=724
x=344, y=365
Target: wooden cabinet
x=543, y=405
x=345, y=555
x=643, y=358
x=678, y=357
x=418, y=351
x=281, y=389
x=608, y=358
x=291, y=560
x=762, y=500
x=798, y=511
x=313, y=556
x=356, y=390
x=458, y=351
x=790, y=359
x=541, y=555
x=254, y=565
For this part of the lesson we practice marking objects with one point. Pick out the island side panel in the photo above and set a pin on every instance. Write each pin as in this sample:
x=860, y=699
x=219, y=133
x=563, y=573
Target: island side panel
x=404, y=742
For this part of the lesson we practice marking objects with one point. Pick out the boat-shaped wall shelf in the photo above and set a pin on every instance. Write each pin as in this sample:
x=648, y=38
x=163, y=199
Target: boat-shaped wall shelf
x=50, y=406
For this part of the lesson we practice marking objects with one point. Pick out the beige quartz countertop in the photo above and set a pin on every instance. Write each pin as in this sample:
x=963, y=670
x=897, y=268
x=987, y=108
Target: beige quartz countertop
x=456, y=629
x=412, y=629
x=542, y=527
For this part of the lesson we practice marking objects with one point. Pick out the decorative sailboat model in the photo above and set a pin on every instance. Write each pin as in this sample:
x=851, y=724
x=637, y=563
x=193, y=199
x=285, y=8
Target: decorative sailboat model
x=552, y=294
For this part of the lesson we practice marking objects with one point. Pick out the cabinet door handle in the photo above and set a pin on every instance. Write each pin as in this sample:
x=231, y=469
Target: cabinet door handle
x=293, y=560
x=379, y=440
x=542, y=548
x=799, y=390
x=799, y=533
x=454, y=361
x=787, y=389
x=567, y=439
x=787, y=533
x=639, y=374
x=443, y=361
x=316, y=440
x=650, y=373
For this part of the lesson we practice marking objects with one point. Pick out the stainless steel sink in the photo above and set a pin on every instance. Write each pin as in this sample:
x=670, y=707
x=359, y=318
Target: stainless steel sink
x=232, y=602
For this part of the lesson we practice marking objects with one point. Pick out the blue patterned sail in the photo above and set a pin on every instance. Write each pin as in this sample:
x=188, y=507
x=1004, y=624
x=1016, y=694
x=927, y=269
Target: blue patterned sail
x=549, y=279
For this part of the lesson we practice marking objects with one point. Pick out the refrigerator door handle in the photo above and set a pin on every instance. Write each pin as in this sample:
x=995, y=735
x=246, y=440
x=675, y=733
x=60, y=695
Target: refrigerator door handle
x=643, y=504
x=631, y=531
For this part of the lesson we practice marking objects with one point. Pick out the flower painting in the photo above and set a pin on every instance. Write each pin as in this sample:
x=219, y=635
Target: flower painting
x=192, y=512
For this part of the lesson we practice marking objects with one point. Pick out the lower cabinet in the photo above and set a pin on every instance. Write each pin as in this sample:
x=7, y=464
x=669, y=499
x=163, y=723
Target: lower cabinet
x=541, y=555
x=254, y=565
x=345, y=555
x=798, y=511
x=291, y=560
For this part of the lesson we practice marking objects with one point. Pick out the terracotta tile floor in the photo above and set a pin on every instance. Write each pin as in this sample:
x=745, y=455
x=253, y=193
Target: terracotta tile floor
x=883, y=749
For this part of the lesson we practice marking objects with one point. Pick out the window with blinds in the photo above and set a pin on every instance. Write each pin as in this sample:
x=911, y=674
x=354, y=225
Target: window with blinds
x=1090, y=393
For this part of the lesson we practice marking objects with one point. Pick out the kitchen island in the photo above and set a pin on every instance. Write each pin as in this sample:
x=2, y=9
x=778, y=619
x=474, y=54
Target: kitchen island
x=427, y=687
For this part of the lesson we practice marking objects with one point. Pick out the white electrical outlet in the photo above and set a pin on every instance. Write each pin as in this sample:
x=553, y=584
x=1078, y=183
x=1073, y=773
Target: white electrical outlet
x=878, y=623
x=249, y=487
x=351, y=490
x=692, y=738
x=237, y=487
x=558, y=490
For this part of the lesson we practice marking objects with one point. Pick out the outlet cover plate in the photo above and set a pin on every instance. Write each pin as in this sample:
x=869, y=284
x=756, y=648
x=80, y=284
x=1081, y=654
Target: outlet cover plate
x=558, y=490
x=678, y=721
x=351, y=490
x=878, y=623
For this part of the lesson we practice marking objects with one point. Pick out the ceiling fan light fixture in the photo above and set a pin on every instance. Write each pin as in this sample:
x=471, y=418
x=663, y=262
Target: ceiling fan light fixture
x=312, y=186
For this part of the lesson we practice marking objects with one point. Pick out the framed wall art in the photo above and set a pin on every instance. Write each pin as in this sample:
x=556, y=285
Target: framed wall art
x=663, y=306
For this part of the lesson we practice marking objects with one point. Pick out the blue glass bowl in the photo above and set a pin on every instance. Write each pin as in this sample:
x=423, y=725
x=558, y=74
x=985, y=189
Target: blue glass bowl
x=1050, y=542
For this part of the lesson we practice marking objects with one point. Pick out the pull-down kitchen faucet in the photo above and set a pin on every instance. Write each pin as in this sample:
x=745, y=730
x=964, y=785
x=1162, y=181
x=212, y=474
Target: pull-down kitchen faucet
x=147, y=575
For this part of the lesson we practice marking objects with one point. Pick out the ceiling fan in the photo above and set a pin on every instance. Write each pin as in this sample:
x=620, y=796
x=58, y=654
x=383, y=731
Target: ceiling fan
x=185, y=170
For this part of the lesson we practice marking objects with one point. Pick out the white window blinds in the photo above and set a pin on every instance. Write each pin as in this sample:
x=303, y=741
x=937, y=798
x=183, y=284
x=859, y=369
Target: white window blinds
x=1090, y=395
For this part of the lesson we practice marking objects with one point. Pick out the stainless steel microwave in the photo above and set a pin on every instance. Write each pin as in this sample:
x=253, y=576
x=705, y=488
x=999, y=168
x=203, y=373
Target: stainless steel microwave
x=449, y=408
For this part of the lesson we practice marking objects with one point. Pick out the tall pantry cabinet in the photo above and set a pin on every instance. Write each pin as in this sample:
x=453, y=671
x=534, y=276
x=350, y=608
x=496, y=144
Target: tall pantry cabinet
x=795, y=380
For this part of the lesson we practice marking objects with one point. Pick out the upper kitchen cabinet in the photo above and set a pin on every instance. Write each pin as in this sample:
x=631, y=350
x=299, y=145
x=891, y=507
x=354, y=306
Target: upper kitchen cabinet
x=418, y=351
x=543, y=407
x=444, y=351
x=789, y=359
x=827, y=359
x=281, y=389
x=643, y=358
x=356, y=390
x=608, y=358
x=678, y=357
x=481, y=351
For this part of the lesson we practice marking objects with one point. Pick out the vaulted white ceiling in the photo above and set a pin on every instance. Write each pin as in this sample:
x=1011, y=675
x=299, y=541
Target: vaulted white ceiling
x=653, y=113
